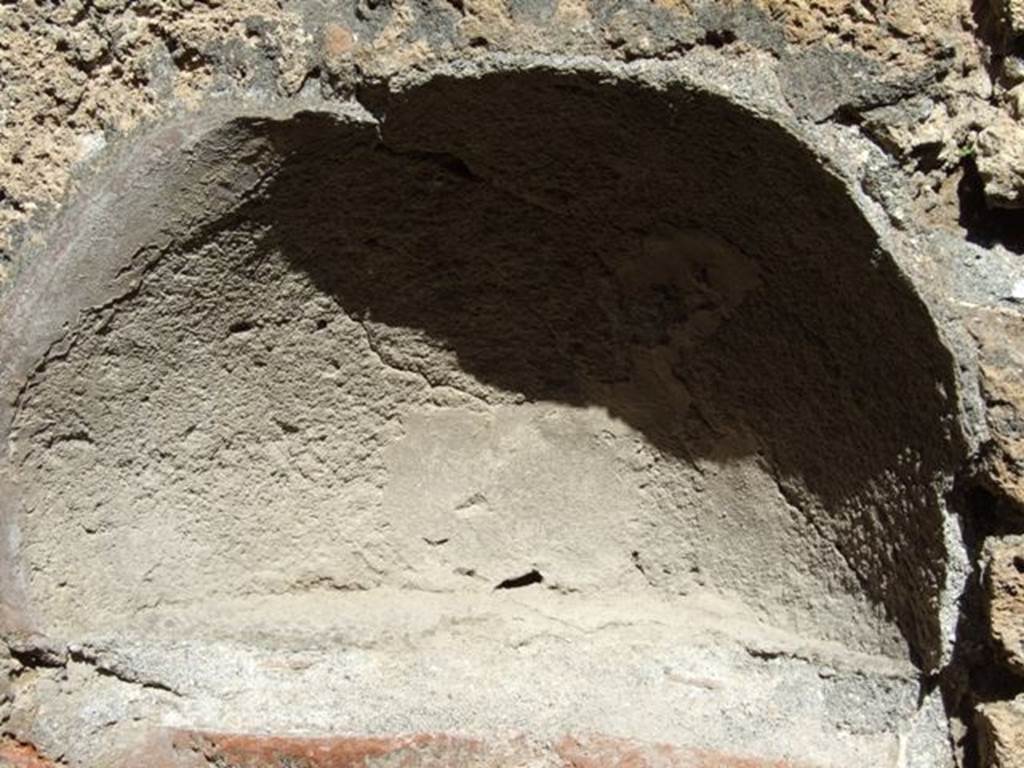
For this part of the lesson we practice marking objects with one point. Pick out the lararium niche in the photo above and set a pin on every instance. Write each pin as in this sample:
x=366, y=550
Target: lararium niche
x=529, y=404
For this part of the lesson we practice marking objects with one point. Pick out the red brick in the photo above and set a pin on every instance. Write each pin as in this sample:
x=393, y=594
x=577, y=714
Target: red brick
x=197, y=749
x=251, y=751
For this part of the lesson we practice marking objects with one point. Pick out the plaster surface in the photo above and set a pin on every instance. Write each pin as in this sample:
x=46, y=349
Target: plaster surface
x=507, y=401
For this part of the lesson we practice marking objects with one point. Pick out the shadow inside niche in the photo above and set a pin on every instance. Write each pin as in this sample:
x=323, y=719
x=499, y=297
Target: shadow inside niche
x=688, y=267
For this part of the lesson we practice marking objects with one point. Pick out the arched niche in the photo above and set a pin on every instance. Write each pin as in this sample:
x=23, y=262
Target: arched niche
x=559, y=331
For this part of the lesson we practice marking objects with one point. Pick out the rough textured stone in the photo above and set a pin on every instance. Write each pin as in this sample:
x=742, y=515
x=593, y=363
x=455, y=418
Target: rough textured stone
x=503, y=368
x=1001, y=161
x=1000, y=336
x=1001, y=726
x=15, y=755
x=435, y=353
x=1004, y=576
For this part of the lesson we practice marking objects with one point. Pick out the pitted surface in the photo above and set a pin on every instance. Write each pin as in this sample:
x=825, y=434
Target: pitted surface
x=532, y=331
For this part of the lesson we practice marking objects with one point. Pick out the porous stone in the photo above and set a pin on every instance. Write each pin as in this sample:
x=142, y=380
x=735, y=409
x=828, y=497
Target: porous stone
x=1000, y=336
x=548, y=382
x=1001, y=730
x=435, y=353
x=1001, y=161
x=1004, y=576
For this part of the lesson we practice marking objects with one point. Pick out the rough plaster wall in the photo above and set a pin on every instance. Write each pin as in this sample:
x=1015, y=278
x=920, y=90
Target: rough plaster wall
x=422, y=359
x=934, y=86
x=714, y=167
x=229, y=388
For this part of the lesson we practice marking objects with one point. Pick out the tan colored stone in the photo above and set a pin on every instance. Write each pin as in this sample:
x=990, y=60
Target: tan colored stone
x=78, y=70
x=1000, y=337
x=1001, y=732
x=1015, y=98
x=1004, y=581
x=1001, y=162
x=922, y=17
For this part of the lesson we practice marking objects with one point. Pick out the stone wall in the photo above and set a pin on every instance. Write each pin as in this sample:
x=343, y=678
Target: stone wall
x=915, y=109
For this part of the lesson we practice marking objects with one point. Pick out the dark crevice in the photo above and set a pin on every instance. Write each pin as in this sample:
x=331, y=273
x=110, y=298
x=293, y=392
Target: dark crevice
x=532, y=577
x=367, y=9
x=241, y=326
x=286, y=427
x=313, y=75
x=38, y=653
x=987, y=226
x=76, y=436
x=927, y=157
x=374, y=96
x=635, y=557
x=35, y=656
x=105, y=667
x=990, y=513
x=718, y=38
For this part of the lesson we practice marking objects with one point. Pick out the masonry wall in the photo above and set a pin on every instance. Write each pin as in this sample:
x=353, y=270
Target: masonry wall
x=858, y=169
